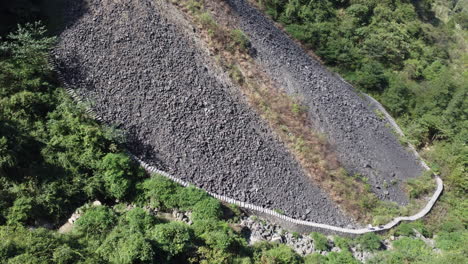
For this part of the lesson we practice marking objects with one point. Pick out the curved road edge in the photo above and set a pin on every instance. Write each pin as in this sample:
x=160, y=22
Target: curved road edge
x=300, y=225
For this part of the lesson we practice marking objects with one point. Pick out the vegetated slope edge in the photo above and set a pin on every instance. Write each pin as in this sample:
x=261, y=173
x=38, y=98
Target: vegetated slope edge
x=301, y=225
x=143, y=73
x=363, y=144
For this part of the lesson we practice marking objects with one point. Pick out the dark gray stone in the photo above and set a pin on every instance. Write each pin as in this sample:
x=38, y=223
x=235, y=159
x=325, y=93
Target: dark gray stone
x=142, y=71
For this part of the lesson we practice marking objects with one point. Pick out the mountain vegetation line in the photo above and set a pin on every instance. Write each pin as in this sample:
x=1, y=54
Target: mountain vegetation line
x=288, y=118
x=54, y=157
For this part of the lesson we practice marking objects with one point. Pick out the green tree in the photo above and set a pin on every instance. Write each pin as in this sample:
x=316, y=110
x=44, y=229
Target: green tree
x=160, y=192
x=369, y=241
x=96, y=221
x=320, y=242
x=118, y=172
x=174, y=238
x=20, y=212
x=277, y=254
x=126, y=246
x=207, y=209
x=138, y=219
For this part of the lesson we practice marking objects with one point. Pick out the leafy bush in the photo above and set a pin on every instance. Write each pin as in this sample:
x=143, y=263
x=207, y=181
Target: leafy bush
x=320, y=242
x=344, y=257
x=342, y=242
x=369, y=241
x=174, y=238
x=138, y=219
x=421, y=186
x=20, y=212
x=160, y=192
x=95, y=221
x=276, y=254
x=118, y=172
x=207, y=209
x=315, y=258
x=236, y=74
x=239, y=40
x=404, y=229
x=188, y=197
x=451, y=240
x=207, y=21
x=124, y=245
x=406, y=250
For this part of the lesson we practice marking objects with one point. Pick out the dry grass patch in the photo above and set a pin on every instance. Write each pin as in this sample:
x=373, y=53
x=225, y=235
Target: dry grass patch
x=288, y=118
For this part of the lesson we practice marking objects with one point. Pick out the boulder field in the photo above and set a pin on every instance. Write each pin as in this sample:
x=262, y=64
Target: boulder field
x=140, y=67
x=363, y=142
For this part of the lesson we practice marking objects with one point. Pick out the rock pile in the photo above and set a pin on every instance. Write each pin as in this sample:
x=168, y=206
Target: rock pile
x=143, y=72
x=363, y=143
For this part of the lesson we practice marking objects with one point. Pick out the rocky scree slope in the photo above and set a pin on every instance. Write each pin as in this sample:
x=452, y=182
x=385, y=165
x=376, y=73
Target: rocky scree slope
x=361, y=140
x=142, y=70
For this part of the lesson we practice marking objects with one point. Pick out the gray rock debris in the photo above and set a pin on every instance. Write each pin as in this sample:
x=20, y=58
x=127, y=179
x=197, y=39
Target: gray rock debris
x=143, y=72
x=363, y=144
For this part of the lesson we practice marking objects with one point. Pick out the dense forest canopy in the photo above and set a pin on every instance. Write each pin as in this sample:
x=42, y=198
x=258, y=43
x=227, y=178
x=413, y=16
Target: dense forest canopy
x=398, y=51
x=411, y=55
x=54, y=158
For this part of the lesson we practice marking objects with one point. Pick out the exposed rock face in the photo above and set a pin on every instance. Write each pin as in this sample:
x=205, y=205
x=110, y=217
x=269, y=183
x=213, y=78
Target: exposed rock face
x=142, y=70
x=363, y=144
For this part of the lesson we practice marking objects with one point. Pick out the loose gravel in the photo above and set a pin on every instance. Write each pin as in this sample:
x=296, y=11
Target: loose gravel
x=362, y=141
x=144, y=72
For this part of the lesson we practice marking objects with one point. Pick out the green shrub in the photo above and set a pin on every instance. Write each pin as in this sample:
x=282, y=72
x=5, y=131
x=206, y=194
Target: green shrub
x=194, y=6
x=118, y=172
x=452, y=240
x=342, y=242
x=369, y=241
x=207, y=209
x=223, y=239
x=160, y=192
x=315, y=258
x=65, y=254
x=296, y=235
x=207, y=21
x=236, y=74
x=239, y=40
x=404, y=229
x=411, y=249
x=188, y=197
x=174, y=238
x=279, y=211
x=278, y=254
x=138, y=219
x=126, y=246
x=421, y=186
x=452, y=225
x=320, y=241
x=343, y=257
x=95, y=221
x=20, y=212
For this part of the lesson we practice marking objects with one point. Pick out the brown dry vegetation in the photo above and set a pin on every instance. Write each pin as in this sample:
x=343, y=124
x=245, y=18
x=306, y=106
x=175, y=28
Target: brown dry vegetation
x=286, y=115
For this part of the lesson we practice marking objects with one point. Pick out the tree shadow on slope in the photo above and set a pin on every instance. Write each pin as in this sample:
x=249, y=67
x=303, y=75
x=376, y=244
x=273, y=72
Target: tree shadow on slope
x=55, y=14
x=71, y=74
x=142, y=150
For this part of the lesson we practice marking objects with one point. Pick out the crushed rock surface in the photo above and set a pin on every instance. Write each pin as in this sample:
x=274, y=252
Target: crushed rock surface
x=144, y=73
x=362, y=142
